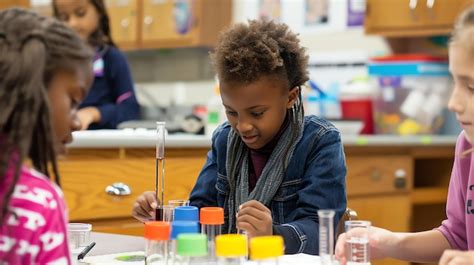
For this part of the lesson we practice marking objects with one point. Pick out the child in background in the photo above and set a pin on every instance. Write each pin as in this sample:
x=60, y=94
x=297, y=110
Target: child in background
x=111, y=99
x=270, y=168
x=45, y=71
x=457, y=231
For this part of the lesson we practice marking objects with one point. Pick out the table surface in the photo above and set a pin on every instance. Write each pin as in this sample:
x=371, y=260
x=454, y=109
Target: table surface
x=109, y=244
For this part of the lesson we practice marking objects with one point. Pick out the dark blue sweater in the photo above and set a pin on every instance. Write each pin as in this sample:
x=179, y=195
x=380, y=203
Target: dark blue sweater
x=112, y=91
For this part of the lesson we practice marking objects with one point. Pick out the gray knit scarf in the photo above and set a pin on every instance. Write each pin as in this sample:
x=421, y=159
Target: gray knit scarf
x=237, y=166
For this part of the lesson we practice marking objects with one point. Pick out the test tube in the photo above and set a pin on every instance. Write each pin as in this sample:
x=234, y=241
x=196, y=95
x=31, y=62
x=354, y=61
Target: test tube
x=160, y=174
x=177, y=228
x=186, y=213
x=326, y=236
x=192, y=249
x=357, y=242
x=231, y=249
x=266, y=249
x=211, y=219
x=157, y=235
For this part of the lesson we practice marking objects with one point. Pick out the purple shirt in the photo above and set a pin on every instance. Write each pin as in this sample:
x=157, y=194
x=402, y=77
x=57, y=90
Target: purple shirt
x=259, y=157
x=458, y=228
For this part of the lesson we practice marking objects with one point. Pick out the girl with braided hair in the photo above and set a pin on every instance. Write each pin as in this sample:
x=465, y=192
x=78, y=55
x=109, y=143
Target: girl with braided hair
x=111, y=99
x=270, y=168
x=45, y=72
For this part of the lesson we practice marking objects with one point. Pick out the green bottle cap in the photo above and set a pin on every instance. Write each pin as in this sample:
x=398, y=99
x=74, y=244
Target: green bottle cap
x=192, y=245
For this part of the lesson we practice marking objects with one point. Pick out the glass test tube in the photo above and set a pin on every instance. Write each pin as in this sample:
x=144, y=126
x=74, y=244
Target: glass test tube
x=357, y=242
x=266, y=250
x=231, y=249
x=177, y=228
x=326, y=236
x=192, y=250
x=160, y=164
x=157, y=235
x=211, y=219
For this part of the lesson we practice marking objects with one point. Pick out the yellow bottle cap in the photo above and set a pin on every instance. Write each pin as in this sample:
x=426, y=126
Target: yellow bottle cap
x=266, y=247
x=231, y=245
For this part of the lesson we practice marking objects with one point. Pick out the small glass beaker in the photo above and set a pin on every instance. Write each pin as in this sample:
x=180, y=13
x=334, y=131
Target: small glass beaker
x=78, y=238
x=176, y=203
x=357, y=242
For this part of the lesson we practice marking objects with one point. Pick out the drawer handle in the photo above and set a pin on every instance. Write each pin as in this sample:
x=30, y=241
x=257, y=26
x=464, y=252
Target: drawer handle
x=118, y=189
x=148, y=20
x=412, y=5
x=400, y=179
x=124, y=23
x=430, y=4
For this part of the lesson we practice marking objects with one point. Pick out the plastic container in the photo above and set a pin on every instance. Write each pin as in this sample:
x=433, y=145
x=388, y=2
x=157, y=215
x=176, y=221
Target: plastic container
x=357, y=99
x=157, y=236
x=266, y=249
x=192, y=249
x=211, y=219
x=231, y=249
x=215, y=113
x=412, y=93
x=186, y=213
x=177, y=228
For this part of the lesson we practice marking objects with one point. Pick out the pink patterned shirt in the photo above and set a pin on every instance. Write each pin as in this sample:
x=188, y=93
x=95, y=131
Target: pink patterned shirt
x=34, y=231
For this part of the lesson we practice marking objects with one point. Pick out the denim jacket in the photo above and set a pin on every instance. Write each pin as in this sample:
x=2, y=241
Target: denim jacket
x=315, y=179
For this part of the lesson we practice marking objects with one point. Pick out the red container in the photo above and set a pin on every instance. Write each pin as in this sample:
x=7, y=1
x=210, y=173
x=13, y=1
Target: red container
x=359, y=109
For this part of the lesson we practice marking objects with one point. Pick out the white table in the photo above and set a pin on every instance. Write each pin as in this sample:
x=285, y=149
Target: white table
x=108, y=245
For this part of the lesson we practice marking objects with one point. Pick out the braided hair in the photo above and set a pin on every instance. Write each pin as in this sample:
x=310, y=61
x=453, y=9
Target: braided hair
x=101, y=36
x=32, y=49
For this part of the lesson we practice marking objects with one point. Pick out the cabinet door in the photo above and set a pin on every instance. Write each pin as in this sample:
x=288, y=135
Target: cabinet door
x=412, y=17
x=123, y=15
x=86, y=173
x=12, y=3
x=378, y=175
x=390, y=212
x=169, y=23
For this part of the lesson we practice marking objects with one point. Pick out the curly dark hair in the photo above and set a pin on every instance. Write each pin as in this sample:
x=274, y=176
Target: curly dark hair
x=245, y=53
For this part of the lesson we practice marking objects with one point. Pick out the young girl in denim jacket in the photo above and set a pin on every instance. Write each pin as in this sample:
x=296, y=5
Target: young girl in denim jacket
x=111, y=99
x=457, y=231
x=270, y=168
x=45, y=72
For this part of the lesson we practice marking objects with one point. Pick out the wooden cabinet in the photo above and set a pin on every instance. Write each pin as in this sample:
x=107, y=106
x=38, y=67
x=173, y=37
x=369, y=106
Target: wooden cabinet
x=167, y=23
x=123, y=17
x=12, y=3
x=400, y=188
x=402, y=18
x=87, y=172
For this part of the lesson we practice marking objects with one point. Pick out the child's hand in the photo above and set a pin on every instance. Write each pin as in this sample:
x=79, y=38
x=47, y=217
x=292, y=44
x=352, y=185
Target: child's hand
x=455, y=257
x=255, y=218
x=144, y=207
x=87, y=116
x=379, y=239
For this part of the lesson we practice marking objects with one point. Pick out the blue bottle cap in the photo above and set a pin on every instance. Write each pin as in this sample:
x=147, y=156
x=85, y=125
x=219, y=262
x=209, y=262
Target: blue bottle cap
x=186, y=213
x=180, y=227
